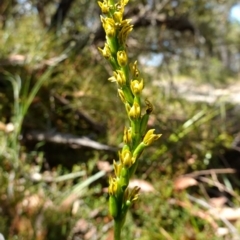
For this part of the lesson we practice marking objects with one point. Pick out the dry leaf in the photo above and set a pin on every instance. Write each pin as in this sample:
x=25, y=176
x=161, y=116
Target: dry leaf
x=84, y=230
x=2, y=126
x=91, y=233
x=9, y=128
x=182, y=183
x=68, y=201
x=75, y=207
x=79, y=94
x=228, y=213
x=17, y=58
x=31, y=204
x=104, y=166
x=221, y=231
x=110, y=235
x=144, y=185
x=218, y=201
x=23, y=226
x=81, y=226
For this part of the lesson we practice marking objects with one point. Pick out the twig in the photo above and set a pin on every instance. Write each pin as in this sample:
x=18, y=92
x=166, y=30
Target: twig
x=220, y=186
x=210, y=172
x=69, y=139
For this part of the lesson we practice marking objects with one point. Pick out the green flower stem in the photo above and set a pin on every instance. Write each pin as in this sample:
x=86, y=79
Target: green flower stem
x=113, y=44
x=128, y=94
x=126, y=73
x=117, y=229
x=133, y=169
x=136, y=136
x=112, y=2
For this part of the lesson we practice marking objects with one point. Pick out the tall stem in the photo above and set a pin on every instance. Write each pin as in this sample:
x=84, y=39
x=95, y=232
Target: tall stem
x=117, y=229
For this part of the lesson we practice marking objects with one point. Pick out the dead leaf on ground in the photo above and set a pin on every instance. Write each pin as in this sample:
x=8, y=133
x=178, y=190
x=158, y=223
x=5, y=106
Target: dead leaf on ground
x=2, y=126
x=218, y=201
x=144, y=185
x=182, y=183
x=68, y=201
x=104, y=166
x=228, y=213
x=81, y=226
x=221, y=231
x=33, y=203
x=8, y=128
x=110, y=235
x=84, y=230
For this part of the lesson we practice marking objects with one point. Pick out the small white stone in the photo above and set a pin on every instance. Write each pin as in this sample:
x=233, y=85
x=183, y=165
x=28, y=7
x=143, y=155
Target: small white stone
x=1, y=237
x=9, y=128
x=36, y=177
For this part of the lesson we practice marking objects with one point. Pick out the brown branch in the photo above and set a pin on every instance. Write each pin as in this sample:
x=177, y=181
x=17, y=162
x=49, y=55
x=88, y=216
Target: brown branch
x=210, y=171
x=68, y=139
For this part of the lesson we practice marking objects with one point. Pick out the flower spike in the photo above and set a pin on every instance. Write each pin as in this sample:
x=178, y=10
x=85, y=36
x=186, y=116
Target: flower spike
x=129, y=86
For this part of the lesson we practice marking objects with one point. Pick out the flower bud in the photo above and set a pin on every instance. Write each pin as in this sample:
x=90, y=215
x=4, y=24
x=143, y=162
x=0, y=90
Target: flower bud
x=134, y=69
x=124, y=2
x=113, y=186
x=117, y=168
x=106, y=52
x=119, y=77
x=150, y=137
x=118, y=15
x=126, y=158
x=109, y=26
x=137, y=86
x=104, y=7
x=135, y=111
x=121, y=95
x=122, y=58
x=113, y=206
x=149, y=107
x=127, y=137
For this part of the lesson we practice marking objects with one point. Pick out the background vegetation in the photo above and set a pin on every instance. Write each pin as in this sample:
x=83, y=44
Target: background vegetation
x=61, y=121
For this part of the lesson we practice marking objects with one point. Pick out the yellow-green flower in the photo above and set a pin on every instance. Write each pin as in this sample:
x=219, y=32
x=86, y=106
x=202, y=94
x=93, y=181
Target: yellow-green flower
x=121, y=95
x=122, y=58
x=113, y=186
x=127, y=137
x=131, y=196
x=135, y=111
x=137, y=86
x=106, y=51
x=117, y=168
x=134, y=69
x=126, y=28
x=119, y=77
x=150, y=137
x=126, y=158
x=118, y=17
x=104, y=6
x=124, y=2
x=109, y=26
